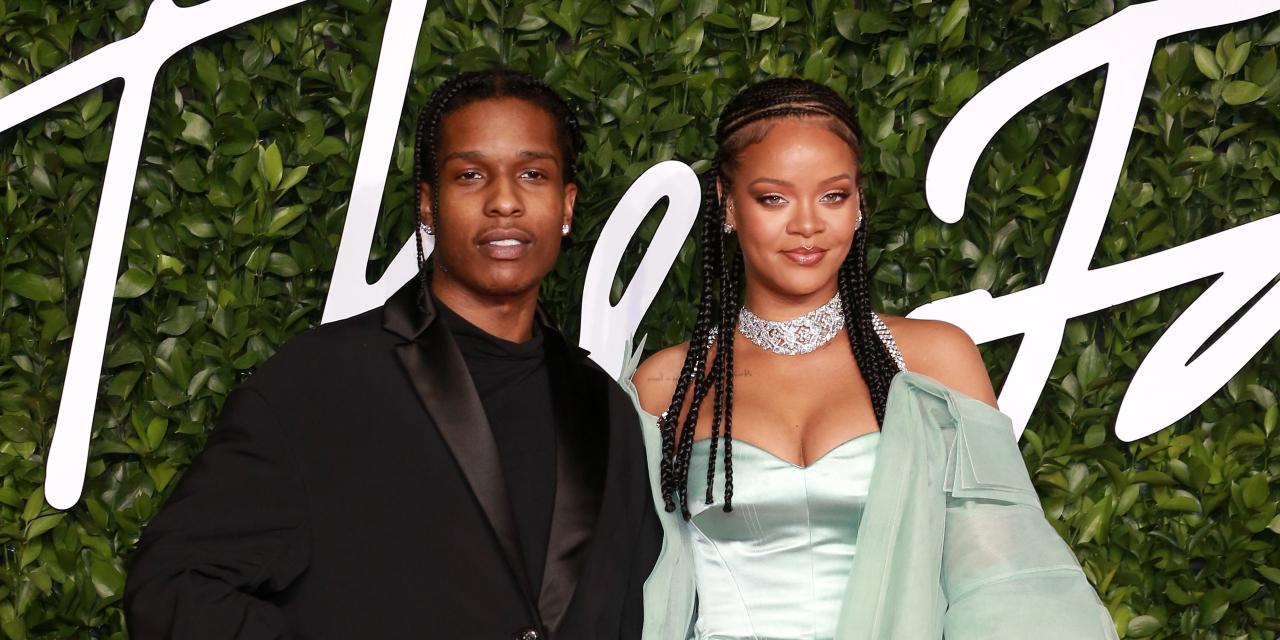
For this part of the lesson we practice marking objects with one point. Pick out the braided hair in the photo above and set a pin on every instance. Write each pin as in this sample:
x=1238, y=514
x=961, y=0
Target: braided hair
x=468, y=88
x=744, y=121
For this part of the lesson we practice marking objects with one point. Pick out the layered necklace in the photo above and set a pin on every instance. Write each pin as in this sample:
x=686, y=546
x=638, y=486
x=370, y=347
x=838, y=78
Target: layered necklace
x=796, y=336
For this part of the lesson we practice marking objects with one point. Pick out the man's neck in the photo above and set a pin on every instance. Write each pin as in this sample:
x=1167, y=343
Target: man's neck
x=507, y=317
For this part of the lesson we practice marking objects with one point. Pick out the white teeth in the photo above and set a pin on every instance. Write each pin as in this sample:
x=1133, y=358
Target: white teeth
x=512, y=242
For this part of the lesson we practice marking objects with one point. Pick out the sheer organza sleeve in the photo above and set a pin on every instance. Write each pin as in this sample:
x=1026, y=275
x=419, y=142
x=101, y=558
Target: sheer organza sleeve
x=953, y=543
x=1006, y=573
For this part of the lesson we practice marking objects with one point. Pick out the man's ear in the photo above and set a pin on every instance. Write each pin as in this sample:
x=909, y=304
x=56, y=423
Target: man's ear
x=424, y=203
x=570, y=196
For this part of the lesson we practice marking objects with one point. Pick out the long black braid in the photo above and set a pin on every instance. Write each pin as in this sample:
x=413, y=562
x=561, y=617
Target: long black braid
x=722, y=269
x=467, y=88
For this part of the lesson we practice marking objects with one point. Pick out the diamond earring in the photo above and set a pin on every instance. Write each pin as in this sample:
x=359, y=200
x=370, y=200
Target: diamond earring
x=564, y=229
x=426, y=228
x=728, y=228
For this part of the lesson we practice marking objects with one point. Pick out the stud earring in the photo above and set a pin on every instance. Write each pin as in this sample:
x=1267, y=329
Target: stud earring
x=426, y=228
x=564, y=229
x=728, y=210
x=728, y=228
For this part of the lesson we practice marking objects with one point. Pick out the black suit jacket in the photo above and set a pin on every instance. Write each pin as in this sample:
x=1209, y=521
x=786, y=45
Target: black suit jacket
x=353, y=489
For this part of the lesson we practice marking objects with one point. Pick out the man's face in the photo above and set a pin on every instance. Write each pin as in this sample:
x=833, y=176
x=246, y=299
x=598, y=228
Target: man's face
x=503, y=198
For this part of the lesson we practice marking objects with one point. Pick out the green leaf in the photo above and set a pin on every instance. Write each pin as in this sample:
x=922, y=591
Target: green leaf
x=760, y=22
x=1236, y=60
x=1196, y=154
x=272, y=166
x=962, y=86
x=42, y=524
x=955, y=16
x=1206, y=63
x=122, y=383
x=35, y=504
x=283, y=265
x=873, y=22
x=134, y=283
x=1143, y=626
x=197, y=130
x=1264, y=68
x=199, y=228
x=1270, y=573
x=897, y=60
x=846, y=21
x=1241, y=92
x=189, y=175
x=107, y=578
x=207, y=70
x=671, y=122
x=178, y=324
x=1179, y=501
x=282, y=216
x=1213, y=606
x=33, y=287
x=1243, y=589
x=1255, y=490
x=1090, y=366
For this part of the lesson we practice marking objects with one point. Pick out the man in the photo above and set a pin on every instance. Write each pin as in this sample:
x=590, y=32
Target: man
x=445, y=466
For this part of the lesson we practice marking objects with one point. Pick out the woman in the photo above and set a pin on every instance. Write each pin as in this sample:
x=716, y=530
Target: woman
x=869, y=488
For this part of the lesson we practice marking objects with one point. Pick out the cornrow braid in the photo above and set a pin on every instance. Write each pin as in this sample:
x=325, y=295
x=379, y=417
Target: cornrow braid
x=467, y=88
x=742, y=123
x=728, y=328
x=674, y=470
x=874, y=361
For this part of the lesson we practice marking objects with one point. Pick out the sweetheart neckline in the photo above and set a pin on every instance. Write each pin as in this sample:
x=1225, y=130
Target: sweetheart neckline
x=893, y=382
x=800, y=467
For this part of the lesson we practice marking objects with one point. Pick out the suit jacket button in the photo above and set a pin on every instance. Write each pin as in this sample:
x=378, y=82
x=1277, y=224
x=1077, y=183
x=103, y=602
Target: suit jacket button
x=527, y=634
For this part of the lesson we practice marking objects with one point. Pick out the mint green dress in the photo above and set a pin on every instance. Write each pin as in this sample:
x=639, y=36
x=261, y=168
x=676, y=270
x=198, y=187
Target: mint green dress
x=776, y=566
x=927, y=529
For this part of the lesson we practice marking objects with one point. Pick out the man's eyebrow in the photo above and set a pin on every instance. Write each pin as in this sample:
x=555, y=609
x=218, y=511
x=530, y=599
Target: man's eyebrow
x=539, y=155
x=463, y=155
x=480, y=155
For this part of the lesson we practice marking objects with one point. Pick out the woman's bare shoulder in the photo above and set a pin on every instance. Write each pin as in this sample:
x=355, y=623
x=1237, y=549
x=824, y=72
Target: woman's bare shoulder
x=656, y=378
x=944, y=352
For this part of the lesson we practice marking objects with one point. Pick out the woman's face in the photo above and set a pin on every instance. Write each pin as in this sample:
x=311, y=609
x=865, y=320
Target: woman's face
x=793, y=201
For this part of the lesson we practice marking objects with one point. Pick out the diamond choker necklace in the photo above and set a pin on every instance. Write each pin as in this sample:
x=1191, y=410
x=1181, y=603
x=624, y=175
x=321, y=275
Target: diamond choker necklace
x=796, y=336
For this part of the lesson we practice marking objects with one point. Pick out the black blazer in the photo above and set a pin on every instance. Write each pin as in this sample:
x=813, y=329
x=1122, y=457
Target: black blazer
x=352, y=489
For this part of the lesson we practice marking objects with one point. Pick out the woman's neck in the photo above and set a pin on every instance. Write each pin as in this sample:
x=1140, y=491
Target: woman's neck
x=771, y=304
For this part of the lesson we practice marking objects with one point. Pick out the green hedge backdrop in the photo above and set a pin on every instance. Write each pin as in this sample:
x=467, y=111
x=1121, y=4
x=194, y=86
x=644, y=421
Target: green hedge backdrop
x=248, y=163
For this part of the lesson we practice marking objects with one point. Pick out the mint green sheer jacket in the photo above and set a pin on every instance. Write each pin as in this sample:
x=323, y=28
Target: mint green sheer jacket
x=953, y=542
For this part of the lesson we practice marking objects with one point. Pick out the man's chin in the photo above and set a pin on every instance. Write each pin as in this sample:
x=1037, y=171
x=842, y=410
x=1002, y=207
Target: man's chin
x=500, y=285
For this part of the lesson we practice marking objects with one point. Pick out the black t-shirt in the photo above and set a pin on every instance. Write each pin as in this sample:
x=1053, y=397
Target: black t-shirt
x=514, y=385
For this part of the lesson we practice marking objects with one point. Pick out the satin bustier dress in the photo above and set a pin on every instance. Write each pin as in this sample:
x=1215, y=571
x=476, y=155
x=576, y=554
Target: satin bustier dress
x=776, y=567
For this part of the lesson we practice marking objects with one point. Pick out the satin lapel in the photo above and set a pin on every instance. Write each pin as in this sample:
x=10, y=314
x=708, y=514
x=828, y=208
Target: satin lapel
x=440, y=377
x=582, y=444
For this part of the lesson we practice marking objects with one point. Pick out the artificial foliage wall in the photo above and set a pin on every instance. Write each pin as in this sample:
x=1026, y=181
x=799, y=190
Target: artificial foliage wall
x=246, y=172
